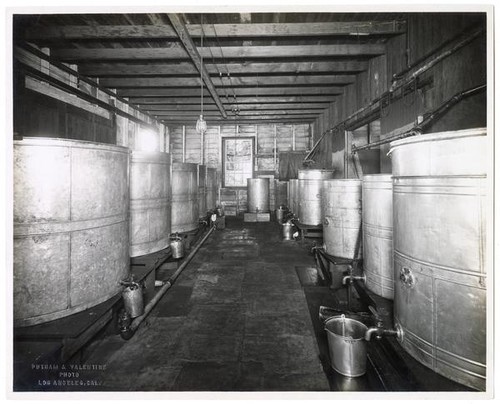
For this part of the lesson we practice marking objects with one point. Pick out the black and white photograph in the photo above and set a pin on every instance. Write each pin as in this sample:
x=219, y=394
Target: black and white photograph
x=250, y=201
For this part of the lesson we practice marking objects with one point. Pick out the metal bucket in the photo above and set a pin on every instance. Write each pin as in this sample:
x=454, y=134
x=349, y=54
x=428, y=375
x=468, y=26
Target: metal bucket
x=309, y=195
x=377, y=234
x=133, y=300
x=287, y=231
x=202, y=191
x=150, y=202
x=347, y=345
x=258, y=195
x=184, y=197
x=71, y=226
x=176, y=247
x=341, y=228
x=440, y=206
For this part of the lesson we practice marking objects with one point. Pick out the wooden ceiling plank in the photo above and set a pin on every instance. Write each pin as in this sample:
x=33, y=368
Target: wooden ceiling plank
x=177, y=52
x=145, y=101
x=185, y=68
x=196, y=59
x=234, y=82
x=164, y=31
x=195, y=107
x=275, y=91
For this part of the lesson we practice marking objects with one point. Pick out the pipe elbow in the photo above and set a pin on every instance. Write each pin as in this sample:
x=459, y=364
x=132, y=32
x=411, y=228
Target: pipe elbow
x=371, y=331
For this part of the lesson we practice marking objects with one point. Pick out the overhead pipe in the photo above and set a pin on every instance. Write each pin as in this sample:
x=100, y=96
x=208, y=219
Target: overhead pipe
x=456, y=44
x=417, y=130
x=128, y=332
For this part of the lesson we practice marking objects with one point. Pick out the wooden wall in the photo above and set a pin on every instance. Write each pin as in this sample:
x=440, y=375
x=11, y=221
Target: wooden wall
x=462, y=70
x=270, y=140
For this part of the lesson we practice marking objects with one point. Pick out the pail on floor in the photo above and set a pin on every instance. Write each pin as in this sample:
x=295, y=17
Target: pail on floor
x=347, y=345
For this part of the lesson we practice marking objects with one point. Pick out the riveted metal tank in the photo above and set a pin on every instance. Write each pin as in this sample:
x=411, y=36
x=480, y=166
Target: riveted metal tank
x=150, y=202
x=212, y=188
x=258, y=195
x=377, y=234
x=342, y=222
x=202, y=190
x=184, y=197
x=309, y=195
x=440, y=206
x=71, y=227
x=293, y=186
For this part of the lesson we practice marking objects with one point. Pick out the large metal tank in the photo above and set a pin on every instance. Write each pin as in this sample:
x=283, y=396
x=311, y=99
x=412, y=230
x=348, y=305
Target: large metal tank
x=150, y=202
x=440, y=226
x=309, y=195
x=258, y=195
x=377, y=234
x=71, y=228
x=212, y=188
x=293, y=188
x=184, y=197
x=342, y=222
x=281, y=193
x=202, y=190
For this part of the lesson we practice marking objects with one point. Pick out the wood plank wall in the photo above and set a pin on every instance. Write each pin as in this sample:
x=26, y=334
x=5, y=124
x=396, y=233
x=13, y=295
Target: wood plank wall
x=460, y=71
x=43, y=110
x=270, y=140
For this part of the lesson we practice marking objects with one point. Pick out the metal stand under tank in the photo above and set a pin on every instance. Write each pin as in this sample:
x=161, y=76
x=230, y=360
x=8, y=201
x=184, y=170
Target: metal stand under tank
x=71, y=227
x=440, y=205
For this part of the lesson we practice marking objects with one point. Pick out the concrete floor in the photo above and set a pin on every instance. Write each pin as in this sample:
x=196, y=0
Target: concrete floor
x=237, y=319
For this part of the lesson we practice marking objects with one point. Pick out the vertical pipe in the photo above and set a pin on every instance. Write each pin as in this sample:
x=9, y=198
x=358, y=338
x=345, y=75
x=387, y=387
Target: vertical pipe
x=293, y=137
x=202, y=148
x=275, y=146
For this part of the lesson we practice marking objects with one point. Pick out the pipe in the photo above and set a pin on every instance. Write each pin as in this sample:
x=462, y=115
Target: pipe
x=417, y=130
x=396, y=86
x=353, y=278
x=128, y=333
x=382, y=332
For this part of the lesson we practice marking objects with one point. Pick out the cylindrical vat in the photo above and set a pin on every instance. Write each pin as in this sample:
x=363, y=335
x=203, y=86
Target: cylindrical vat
x=212, y=188
x=281, y=193
x=377, y=234
x=71, y=228
x=258, y=195
x=347, y=345
x=440, y=206
x=184, y=197
x=202, y=190
x=309, y=195
x=342, y=223
x=150, y=201
x=293, y=186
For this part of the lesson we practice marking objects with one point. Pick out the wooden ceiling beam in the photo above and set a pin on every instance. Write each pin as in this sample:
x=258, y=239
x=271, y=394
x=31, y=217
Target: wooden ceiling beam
x=251, y=91
x=177, y=52
x=226, y=82
x=253, y=119
x=187, y=68
x=145, y=101
x=196, y=59
x=164, y=31
x=211, y=107
x=194, y=114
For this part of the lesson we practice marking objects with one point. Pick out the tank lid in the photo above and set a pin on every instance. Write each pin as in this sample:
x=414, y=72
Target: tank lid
x=440, y=136
x=60, y=142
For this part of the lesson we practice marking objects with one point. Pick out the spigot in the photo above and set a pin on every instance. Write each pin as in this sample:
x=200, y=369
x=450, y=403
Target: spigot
x=353, y=277
x=381, y=332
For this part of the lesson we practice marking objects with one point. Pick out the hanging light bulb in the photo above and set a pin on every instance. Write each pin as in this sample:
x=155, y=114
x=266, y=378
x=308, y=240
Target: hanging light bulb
x=201, y=125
